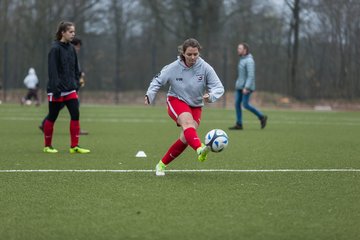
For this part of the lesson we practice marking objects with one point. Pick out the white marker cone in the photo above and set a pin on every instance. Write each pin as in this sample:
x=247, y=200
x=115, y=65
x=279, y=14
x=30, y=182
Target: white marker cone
x=140, y=154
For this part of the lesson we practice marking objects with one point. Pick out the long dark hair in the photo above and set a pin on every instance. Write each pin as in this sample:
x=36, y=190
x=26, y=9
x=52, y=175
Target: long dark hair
x=190, y=42
x=62, y=27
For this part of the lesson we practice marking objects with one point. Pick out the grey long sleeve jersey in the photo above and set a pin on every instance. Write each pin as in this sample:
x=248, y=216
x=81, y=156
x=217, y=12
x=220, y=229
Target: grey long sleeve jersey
x=188, y=84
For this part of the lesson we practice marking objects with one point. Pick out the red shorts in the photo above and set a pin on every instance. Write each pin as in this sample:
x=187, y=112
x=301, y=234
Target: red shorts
x=176, y=107
x=70, y=96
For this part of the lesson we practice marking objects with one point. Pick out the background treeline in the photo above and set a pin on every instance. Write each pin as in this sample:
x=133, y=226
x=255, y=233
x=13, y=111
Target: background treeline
x=308, y=49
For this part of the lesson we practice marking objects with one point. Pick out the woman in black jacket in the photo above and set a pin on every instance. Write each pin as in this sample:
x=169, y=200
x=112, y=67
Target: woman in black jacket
x=62, y=87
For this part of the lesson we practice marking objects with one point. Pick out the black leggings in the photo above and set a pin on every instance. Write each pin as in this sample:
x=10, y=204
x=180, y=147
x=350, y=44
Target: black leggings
x=55, y=107
x=32, y=93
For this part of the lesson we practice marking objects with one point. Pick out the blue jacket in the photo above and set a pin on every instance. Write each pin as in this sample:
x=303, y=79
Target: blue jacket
x=246, y=73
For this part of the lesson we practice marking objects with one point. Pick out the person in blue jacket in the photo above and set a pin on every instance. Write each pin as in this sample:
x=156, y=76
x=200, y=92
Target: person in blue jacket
x=245, y=86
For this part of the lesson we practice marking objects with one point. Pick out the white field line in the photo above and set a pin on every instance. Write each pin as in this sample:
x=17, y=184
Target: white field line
x=182, y=170
x=342, y=122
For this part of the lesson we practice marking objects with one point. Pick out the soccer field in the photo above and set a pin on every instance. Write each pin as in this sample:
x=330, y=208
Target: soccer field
x=297, y=179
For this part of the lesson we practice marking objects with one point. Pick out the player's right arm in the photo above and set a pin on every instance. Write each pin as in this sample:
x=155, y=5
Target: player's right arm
x=156, y=83
x=53, y=62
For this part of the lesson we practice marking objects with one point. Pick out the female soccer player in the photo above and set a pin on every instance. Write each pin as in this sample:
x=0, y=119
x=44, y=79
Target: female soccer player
x=63, y=70
x=192, y=81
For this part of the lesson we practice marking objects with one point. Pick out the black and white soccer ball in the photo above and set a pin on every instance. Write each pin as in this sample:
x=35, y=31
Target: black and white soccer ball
x=217, y=140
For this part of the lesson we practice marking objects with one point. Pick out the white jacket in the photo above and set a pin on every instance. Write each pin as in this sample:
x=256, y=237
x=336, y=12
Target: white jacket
x=31, y=79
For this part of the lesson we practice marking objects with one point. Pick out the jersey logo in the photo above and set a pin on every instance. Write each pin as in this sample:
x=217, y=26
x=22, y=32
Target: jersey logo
x=179, y=79
x=200, y=77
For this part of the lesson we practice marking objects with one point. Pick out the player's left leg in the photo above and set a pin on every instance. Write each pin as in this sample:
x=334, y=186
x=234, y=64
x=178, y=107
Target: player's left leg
x=187, y=118
x=190, y=122
x=36, y=98
x=73, y=107
x=41, y=126
x=238, y=99
x=262, y=118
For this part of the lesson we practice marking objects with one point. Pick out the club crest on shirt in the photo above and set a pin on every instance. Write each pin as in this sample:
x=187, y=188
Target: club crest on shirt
x=200, y=77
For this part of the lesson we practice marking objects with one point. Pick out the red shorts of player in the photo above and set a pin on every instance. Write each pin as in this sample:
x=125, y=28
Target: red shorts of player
x=72, y=95
x=177, y=107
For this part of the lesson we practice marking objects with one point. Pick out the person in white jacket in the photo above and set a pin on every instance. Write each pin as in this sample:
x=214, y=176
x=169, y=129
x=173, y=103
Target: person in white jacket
x=245, y=86
x=31, y=82
x=192, y=81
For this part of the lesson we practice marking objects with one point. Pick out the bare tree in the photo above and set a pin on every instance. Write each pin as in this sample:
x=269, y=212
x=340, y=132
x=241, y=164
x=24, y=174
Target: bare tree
x=4, y=6
x=333, y=47
x=125, y=42
x=294, y=6
x=118, y=22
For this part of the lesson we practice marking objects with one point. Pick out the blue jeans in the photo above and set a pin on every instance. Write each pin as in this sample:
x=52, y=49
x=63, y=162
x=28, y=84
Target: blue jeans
x=244, y=99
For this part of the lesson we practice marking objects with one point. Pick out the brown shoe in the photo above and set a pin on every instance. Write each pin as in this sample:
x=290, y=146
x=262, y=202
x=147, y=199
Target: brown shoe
x=237, y=127
x=263, y=121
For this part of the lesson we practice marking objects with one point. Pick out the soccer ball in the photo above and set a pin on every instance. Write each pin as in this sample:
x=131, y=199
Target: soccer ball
x=217, y=140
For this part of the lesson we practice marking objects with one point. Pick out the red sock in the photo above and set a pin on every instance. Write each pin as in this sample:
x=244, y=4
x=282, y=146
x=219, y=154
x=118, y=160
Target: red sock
x=175, y=150
x=48, y=132
x=74, y=132
x=192, y=138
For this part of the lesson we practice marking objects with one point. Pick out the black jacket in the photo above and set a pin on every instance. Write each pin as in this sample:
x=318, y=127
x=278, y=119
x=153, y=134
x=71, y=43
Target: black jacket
x=63, y=68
